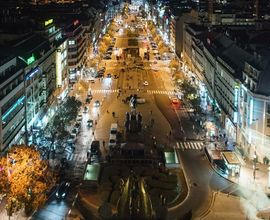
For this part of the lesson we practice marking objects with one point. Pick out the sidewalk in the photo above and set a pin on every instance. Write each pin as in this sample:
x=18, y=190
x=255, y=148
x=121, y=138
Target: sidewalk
x=247, y=166
x=219, y=211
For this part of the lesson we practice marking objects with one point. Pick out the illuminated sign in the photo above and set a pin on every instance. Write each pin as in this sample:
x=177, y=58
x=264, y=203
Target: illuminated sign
x=46, y=23
x=32, y=73
x=250, y=111
x=31, y=59
x=18, y=102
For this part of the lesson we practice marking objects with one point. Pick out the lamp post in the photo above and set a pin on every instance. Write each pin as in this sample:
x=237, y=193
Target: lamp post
x=254, y=165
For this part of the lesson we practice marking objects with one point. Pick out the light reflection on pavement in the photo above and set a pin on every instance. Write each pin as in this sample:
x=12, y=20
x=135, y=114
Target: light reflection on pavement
x=53, y=210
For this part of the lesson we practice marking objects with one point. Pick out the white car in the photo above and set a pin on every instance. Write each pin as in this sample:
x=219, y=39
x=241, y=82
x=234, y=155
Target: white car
x=141, y=101
x=145, y=83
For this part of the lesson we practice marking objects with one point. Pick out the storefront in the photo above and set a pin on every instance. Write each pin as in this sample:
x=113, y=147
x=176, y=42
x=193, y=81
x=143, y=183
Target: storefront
x=230, y=128
x=232, y=162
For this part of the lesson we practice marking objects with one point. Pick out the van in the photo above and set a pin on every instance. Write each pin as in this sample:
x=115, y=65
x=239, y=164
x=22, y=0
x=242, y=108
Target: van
x=114, y=128
x=112, y=141
x=95, y=147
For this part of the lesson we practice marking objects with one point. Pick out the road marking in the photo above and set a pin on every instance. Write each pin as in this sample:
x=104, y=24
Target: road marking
x=161, y=92
x=104, y=91
x=190, y=145
x=79, y=157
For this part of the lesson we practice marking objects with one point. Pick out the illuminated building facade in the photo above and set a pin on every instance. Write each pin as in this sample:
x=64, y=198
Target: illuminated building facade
x=236, y=80
x=31, y=74
x=76, y=49
x=12, y=100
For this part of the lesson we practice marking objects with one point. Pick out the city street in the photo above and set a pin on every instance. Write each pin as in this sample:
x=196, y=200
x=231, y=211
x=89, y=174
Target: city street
x=151, y=81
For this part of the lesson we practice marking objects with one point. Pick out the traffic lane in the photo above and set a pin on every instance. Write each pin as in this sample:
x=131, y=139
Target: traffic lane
x=198, y=175
x=221, y=184
x=187, y=123
x=53, y=210
x=167, y=109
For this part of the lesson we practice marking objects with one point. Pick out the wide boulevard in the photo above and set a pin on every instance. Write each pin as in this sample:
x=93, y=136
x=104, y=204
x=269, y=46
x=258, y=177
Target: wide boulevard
x=158, y=90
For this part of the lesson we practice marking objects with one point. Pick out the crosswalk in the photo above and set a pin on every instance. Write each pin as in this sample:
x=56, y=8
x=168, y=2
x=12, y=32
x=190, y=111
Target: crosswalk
x=95, y=91
x=188, y=145
x=161, y=92
x=78, y=157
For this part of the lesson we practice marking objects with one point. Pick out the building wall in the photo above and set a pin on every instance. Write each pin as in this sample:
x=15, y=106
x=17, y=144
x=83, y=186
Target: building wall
x=11, y=102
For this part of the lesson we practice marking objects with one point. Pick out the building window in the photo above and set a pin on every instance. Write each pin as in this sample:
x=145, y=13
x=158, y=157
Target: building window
x=268, y=108
x=71, y=42
x=268, y=122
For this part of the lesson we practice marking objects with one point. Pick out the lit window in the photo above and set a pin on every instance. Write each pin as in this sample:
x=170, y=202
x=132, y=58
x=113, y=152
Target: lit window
x=268, y=122
x=71, y=42
x=268, y=108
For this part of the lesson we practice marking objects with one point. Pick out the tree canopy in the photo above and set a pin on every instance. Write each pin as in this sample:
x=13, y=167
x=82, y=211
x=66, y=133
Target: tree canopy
x=24, y=179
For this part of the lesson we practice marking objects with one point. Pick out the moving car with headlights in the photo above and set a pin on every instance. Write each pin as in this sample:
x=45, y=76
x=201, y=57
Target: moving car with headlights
x=62, y=190
x=96, y=103
x=90, y=123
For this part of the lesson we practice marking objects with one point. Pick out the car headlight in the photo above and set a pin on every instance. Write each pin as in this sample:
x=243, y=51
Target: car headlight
x=63, y=195
x=57, y=194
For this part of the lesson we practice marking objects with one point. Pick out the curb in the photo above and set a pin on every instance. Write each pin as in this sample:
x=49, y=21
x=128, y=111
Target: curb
x=188, y=187
x=208, y=210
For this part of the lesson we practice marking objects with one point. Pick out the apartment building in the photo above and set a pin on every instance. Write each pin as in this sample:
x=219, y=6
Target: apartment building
x=76, y=49
x=236, y=76
x=12, y=99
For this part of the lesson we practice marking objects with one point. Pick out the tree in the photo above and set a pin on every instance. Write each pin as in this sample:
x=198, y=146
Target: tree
x=24, y=179
x=70, y=109
x=174, y=64
x=190, y=93
x=188, y=90
x=56, y=129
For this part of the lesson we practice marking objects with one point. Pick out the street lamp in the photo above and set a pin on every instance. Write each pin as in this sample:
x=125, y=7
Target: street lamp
x=254, y=165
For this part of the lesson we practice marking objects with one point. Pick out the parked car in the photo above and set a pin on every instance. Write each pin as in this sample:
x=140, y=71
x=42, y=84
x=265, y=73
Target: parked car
x=87, y=100
x=145, y=83
x=140, y=100
x=85, y=109
x=112, y=141
x=95, y=148
x=96, y=103
x=107, y=58
x=90, y=123
x=62, y=190
x=74, y=132
x=79, y=118
x=77, y=125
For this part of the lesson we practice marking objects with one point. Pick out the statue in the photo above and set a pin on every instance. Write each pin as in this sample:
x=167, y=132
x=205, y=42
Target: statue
x=134, y=202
